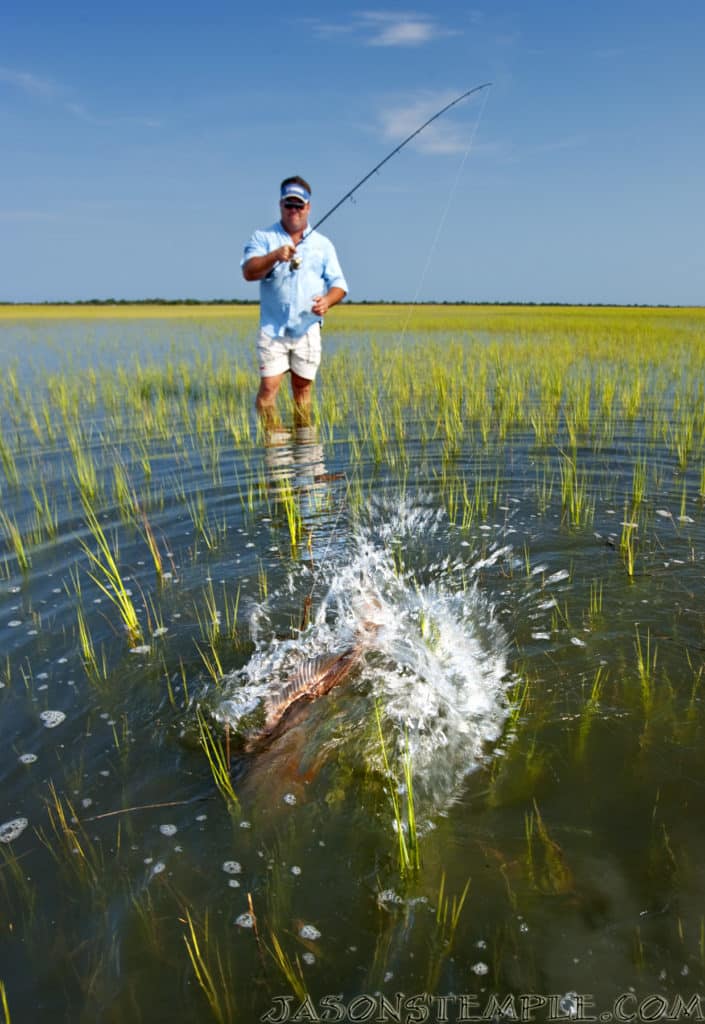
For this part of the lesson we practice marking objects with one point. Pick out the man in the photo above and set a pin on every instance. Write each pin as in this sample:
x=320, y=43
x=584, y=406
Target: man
x=300, y=279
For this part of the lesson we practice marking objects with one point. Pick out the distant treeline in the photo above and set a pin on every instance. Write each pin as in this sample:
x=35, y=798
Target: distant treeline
x=347, y=302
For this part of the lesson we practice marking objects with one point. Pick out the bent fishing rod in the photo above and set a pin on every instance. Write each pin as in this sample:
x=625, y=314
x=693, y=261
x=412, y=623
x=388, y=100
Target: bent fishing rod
x=296, y=260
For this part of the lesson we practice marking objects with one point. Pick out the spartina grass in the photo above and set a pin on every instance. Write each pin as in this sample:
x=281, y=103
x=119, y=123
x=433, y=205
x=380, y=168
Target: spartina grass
x=590, y=710
x=106, y=576
x=218, y=761
x=646, y=669
x=4, y=1004
x=407, y=837
x=627, y=543
x=68, y=843
x=448, y=911
x=15, y=541
x=291, y=971
x=212, y=972
x=9, y=463
x=545, y=862
x=97, y=671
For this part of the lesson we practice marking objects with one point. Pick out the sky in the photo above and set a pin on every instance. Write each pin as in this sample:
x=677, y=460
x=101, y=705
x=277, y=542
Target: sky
x=142, y=143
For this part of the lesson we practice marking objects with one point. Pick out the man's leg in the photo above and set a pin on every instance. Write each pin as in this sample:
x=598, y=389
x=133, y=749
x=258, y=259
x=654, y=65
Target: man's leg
x=265, y=402
x=301, y=389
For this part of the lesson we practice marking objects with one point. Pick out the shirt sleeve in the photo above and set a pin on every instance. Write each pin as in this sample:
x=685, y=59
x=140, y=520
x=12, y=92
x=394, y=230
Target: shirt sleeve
x=258, y=245
x=332, y=272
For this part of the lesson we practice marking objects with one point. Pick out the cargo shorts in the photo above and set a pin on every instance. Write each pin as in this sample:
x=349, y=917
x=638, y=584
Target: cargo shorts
x=301, y=354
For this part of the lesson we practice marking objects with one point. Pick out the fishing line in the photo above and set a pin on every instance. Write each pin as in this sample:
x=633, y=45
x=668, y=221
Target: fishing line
x=444, y=216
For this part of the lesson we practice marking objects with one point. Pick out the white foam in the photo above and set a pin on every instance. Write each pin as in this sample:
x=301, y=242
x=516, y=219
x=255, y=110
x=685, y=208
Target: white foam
x=435, y=653
x=52, y=718
x=12, y=830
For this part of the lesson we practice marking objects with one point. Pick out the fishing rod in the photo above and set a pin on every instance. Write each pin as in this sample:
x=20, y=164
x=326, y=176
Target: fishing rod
x=296, y=260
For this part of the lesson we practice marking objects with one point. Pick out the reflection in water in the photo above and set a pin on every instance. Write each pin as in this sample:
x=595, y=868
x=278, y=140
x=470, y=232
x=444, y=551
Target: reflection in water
x=295, y=456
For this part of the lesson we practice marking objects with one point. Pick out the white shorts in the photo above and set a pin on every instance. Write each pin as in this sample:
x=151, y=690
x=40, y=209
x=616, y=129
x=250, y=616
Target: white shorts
x=278, y=355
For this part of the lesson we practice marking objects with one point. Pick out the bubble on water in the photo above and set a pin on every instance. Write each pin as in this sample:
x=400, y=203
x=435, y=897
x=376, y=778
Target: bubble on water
x=310, y=932
x=232, y=867
x=27, y=758
x=479, y=968
x=158, y=868
x=664, y=513
x=86, y=802
x=201, y=817
x=51, y=719
x=14, y=623
x=308, y=958
x=245, y=921
x=481, y=944
x=289, y=798
x=43, y=675
x=168, y=830
x=295, y=869
x=577, y=642
x=245, y=824
x=141, y=649
x=12, y=830
x=540, y=636
x=160, y=631
x=233, y=883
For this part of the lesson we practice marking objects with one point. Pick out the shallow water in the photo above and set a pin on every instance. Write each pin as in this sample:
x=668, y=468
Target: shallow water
x=548, y=704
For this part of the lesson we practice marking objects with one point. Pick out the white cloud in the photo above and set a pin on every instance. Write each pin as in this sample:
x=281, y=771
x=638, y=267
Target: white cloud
x=30, y=84
x=386, y=28
x=443, y=137
x=45, y=89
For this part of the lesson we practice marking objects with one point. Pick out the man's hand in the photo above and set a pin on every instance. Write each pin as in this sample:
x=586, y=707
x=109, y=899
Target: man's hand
x=320, y=305
x=285, y=252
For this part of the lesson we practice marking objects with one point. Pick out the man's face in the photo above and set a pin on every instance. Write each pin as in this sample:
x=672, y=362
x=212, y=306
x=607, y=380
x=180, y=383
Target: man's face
x=294, y=214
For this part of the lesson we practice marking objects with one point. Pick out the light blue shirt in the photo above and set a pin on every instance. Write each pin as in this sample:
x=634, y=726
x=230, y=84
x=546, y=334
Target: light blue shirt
x=286, y=295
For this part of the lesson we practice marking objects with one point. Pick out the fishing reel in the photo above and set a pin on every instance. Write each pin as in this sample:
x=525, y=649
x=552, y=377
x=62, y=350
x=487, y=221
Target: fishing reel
x=295, y=262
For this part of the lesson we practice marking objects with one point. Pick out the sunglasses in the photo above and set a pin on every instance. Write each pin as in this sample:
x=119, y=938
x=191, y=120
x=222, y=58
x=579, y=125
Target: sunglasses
x=288, y=205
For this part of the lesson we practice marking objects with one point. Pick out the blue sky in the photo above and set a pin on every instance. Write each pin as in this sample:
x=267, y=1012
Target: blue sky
x=141, y=144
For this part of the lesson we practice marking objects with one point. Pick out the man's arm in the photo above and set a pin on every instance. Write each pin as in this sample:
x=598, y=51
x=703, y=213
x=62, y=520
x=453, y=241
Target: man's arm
x=322, y=303
x=257, y=267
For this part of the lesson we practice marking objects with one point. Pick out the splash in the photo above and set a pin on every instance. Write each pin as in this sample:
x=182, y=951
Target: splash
x=436, y=665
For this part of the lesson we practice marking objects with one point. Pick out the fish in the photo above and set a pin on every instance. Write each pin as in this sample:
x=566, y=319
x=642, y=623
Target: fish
x=312, y=679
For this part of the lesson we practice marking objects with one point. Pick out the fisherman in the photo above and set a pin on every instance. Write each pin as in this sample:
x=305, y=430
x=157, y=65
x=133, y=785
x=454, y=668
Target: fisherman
x=300, y=279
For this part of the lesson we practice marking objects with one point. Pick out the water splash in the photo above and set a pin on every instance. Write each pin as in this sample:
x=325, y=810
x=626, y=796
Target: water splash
x=436, y=660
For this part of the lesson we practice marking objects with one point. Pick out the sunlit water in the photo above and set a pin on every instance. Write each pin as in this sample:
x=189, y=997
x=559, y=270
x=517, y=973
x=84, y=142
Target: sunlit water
x=549, y=708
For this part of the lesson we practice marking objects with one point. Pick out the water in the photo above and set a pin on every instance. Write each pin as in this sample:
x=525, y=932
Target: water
x=548, y=704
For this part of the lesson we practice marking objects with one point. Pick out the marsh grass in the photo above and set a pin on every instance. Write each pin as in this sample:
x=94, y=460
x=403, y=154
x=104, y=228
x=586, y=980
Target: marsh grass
x=218, y=762
x=409, y=855
x=211, y=968
x=107, y=576
x=291, y=970
x=447, y=918
x=546, y=866
x=4, y=1004
x=69, y=844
